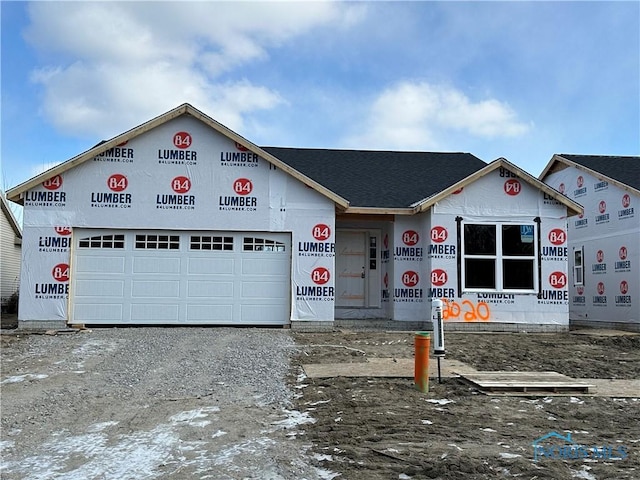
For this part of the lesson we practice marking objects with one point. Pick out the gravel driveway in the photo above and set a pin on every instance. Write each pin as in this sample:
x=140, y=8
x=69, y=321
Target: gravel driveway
x=146, y=403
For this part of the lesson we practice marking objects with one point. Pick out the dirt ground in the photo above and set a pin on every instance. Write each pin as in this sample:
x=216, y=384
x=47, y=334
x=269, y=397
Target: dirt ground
x=81, y=409
x=384, y=428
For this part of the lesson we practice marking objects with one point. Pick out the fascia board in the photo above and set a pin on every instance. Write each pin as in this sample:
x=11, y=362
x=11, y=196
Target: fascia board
x=573, y=208
x=593, y=173
x=378, y=211
x=15, y=194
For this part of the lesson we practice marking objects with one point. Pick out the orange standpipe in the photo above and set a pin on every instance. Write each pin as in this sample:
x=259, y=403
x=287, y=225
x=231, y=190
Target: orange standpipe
x=422, y=348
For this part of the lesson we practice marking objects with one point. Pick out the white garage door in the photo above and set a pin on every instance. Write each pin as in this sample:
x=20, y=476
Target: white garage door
x=188, y=278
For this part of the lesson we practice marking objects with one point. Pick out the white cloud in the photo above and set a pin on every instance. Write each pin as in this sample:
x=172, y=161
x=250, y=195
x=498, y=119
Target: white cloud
x=117, y=64
x=423, y=116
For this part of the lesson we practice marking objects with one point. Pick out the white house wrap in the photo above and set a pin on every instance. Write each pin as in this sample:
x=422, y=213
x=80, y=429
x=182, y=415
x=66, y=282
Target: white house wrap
x=181, y=221
x=604, y=242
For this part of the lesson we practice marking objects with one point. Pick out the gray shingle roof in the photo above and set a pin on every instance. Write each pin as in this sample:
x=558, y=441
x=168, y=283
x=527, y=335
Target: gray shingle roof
x=380, y=178
x=623, y=169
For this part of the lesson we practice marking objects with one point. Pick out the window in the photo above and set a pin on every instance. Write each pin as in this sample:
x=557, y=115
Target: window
x=102, y=241
x=578, y=269
x=158, y=242
x=499, y=257
x=209, y=242
x=251, y=244
x=373, y=253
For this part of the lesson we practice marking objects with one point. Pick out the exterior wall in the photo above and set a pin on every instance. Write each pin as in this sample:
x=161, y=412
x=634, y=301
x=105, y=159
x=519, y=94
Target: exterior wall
x=417, y=250
x=410, y=269
x=213, y=184
x=609, y=233
x=498, y=197
x=10, y=258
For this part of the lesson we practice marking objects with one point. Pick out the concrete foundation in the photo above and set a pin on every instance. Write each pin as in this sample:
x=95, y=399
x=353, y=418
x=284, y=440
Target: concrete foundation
x=624, y=326
x=426, y=325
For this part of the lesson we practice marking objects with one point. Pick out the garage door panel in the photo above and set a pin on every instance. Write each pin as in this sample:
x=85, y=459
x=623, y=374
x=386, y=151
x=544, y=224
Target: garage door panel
x=155, y=289
x=265, y=290
x=100, y=264
x=99, y=313
x=156, y=265
x=202, y=265
x=154, y=313
x=264, y=266
x=199, y=288
x=100, y=288
x=204, y=278
x=210, y=313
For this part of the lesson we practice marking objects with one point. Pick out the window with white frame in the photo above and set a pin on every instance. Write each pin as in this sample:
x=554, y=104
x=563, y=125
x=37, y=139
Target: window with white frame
x=158, y=242
x=211, y=242
x=253, y=244
x=102, y=241
x=499, y=257
x=578, y=268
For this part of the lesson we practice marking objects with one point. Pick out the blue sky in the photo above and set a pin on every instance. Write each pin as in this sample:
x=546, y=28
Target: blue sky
x=520, y=80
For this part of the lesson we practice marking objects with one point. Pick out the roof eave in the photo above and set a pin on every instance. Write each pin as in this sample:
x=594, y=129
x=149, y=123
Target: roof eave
x=600, y=176
x=573, y=208
x=15, y=194
x=275, y=161
x=379, y=211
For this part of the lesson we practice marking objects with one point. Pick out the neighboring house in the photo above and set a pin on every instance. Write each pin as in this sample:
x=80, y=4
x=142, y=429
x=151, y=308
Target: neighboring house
x=604, y=243
x=10, y=253
x=182, y=221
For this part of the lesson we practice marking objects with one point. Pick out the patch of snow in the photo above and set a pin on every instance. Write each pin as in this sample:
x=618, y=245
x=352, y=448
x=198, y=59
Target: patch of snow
x=22, y=378
x=322, y=457
x=509, y=455
x=442, y=401
x=426, y=422
x=488, y=430
x=326, y=474
x=98, y=427
x=584, y=473
x=294, y=418
x=4, y=444
x=190, y=417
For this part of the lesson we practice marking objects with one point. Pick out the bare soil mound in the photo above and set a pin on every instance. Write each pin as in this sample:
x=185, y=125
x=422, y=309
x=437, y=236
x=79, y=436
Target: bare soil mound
x=383, y=428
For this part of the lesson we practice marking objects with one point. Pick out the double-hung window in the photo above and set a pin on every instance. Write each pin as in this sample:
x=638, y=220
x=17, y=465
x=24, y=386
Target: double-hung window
x=499, y=257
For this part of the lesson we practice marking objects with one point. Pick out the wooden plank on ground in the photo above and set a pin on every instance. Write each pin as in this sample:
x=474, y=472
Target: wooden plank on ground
x=526, y=382
x=384, y=367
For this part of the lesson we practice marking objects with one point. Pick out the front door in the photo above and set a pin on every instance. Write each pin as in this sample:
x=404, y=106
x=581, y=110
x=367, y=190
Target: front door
x=351, y=271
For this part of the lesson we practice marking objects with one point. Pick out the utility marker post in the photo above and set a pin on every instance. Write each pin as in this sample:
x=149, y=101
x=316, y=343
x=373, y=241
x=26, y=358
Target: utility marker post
x=438, y=333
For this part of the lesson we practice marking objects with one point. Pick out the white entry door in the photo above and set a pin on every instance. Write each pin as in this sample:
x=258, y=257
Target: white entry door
x=351, y=268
